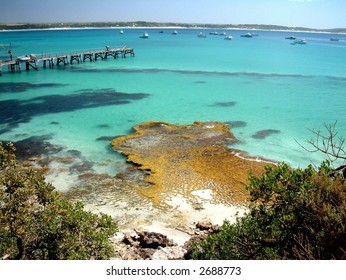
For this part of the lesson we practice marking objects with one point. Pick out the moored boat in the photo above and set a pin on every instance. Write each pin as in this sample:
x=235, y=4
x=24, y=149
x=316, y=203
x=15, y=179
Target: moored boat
x=290, y=37
x=201, y=35
x=229, y=37
x=247, y=35
x=299, y=42
x=145, y=35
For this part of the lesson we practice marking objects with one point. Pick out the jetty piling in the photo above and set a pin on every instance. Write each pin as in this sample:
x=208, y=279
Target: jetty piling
x=88, y=55
x=33, y=61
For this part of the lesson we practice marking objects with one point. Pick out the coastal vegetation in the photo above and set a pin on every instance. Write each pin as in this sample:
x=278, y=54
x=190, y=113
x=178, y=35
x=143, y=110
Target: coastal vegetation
x=139, y=24
x=37, y=222
x=294, y=213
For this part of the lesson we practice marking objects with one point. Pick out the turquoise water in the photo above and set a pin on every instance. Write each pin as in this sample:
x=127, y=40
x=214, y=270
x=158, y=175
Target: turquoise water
x=255, y=84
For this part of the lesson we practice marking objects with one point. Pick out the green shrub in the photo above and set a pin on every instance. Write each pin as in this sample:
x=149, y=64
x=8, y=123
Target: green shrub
x=36, y=222
x=294, y=214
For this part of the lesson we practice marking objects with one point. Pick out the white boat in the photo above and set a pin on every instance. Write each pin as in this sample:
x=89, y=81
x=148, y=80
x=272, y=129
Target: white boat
x=145, y=35
x=299, y=42
x=121, y=32
x=223, y=34
x=175, y=32
x=229, y=37
x=214, y=33
x=201, y=35
x=248, y=35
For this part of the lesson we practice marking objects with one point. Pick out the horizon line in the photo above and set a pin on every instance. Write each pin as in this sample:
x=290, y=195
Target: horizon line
x=166, y=24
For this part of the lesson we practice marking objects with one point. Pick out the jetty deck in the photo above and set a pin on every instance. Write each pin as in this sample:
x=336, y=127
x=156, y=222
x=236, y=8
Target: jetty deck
x=34, y=61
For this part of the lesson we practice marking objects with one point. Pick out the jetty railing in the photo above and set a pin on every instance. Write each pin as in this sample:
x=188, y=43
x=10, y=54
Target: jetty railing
x=56, y=59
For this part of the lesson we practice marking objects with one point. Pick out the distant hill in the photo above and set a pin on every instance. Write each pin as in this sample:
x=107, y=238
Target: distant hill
x=25, y=26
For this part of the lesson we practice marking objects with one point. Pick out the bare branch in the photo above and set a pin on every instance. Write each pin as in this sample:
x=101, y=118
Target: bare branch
x=330, y=144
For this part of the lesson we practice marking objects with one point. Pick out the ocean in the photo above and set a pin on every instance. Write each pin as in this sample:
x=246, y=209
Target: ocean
x=270, y=92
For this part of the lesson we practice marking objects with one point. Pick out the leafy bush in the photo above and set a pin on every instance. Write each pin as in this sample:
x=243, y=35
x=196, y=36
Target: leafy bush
x=36, y=222
x=294, y=214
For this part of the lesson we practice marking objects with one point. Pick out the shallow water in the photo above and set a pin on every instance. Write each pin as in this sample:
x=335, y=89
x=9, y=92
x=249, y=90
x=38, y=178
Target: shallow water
x=269, y=91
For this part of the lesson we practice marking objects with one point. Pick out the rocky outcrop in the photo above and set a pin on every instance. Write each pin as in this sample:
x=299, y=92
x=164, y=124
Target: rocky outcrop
x=148, y=246
x=156, y=246
x=182, y=159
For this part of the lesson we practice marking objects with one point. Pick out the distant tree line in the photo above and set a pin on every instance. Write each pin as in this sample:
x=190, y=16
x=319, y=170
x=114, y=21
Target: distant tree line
x=24, y=26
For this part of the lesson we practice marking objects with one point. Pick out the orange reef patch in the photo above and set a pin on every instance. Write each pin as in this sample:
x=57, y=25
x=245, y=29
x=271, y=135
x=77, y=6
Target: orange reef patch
x=182, y=159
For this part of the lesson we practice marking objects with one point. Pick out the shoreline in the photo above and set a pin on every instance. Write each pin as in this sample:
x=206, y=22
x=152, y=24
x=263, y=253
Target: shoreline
x=289, y=30
x=201, y=180
x=172, y=28
x=245, y=156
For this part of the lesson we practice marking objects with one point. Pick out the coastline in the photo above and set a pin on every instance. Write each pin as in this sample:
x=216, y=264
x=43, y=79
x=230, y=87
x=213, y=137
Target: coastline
x=222, y=92
x=241, y=27
x=172, y=28
x=178, y=182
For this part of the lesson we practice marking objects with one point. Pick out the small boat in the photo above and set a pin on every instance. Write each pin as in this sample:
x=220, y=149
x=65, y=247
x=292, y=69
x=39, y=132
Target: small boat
x=201, y=35
x=229, y=37
x=121, y=32
x=248, y=35
x=299, y=42
x=223, y=34
x=334, y=39
x=214, y=33
x=175, y=32
x=290, y=37
x=145, y=35
x=161, y=32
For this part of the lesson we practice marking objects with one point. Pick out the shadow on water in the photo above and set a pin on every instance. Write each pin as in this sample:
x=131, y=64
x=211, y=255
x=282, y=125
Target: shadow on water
x=13, y=112
x=224, y=104
x=22, y=87
x=262, y=134
x=236, y=124
x=200, y=72
x=106, y=138
x=40, y=148
x=34, y=146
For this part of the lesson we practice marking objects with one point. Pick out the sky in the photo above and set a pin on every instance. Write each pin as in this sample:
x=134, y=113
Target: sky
x=294, y=13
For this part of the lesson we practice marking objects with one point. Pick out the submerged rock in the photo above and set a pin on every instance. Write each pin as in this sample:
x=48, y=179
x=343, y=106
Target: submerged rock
x=182, y=159
x=265, y=133
x=35, y=146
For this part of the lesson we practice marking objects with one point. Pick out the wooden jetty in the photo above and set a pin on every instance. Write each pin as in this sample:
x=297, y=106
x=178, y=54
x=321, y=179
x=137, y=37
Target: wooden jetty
x=50, y=60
